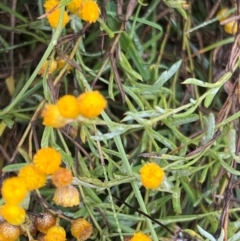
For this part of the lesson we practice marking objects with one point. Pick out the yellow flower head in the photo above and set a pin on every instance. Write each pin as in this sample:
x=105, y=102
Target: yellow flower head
x=49, y=65
x=44, y=222
x=13, y=214
x=33, y=178
x=53, y=18
x=47, y=160
x=151, y=175
x=74, y=6
x=81, y=229
x=62, y=177
x=140, y=237
x=66, y=196
x=91, y=104
x=14, y=190
x=9, y=232
x=89, y=11
x=52, y=117
x=50, y=4
x=68, y=106
x=55, y=233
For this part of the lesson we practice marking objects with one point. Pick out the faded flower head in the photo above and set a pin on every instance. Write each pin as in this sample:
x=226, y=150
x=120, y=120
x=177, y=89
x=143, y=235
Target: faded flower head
x=45, y=221
x=62, y=177
x=81, y=229
x=9, y=232
x=66, y=196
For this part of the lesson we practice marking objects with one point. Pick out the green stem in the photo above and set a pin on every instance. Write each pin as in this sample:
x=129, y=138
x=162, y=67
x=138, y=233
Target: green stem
x=34, y=74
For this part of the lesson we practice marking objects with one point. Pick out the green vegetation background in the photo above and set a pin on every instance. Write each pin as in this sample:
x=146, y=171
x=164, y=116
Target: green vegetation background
x=164, y=68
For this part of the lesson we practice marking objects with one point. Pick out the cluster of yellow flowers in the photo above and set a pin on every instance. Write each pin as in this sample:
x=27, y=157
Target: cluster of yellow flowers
x=81, y=229
x=87, y=10
x=32, y=176
x=47, y=224
x=69, y=108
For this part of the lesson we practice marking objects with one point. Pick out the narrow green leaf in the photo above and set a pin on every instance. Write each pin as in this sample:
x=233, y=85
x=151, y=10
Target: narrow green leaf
x=166, y=75
x=115, y=131
x=13, y=167
x=110, y=172
x=232, y=141
x=183, y=120
x=204, y=174
x=165, y=141
x=222, y=235
x=127, y=67
x=24, y=154
x=189, y=190
x=229, y=168
x=176, y=200
x=46, y=136
x=125, y=225
x=111, y=86
x=181, y=218
x=197, y=82
x=235, y=237
x=205, y=234
x=211, y=94
x=141, y=114
x=130, y=50
x=210, y=123
x=8, y=122
x=92, y=195
x=140, y=20
x=86, y=181
x=135, y=97
x=81, y=212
